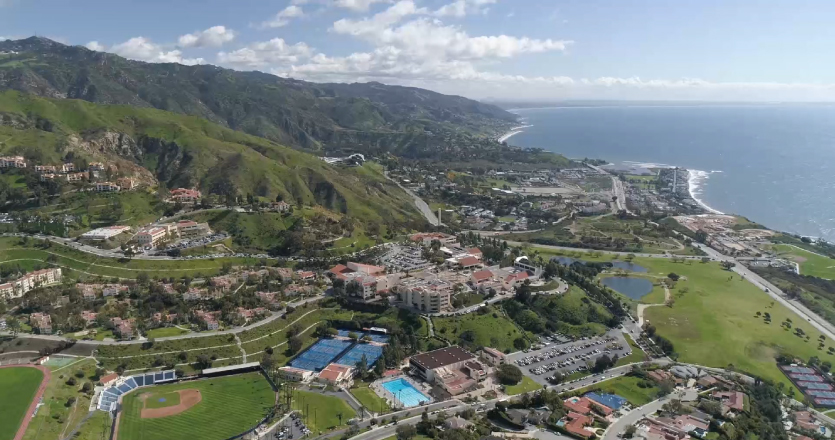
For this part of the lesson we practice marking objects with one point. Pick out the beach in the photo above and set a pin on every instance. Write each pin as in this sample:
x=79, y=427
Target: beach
x=695, y=180
x=513, y=131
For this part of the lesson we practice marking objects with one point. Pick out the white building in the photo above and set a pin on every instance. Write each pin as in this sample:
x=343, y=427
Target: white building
x=38, y=278
x=426, y=299
x=104, y=233
x=151, y=236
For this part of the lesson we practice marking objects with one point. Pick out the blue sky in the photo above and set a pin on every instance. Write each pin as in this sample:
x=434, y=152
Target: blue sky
x=507, y=49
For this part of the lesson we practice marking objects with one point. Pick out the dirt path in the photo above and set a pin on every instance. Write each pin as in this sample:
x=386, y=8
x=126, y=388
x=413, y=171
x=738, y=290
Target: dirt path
x=47, y=375
x=642, y=307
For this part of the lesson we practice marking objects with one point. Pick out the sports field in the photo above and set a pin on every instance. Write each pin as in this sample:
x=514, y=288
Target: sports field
x=17, y=389
x=322, y=413
x=810, y=263
x=211, y=409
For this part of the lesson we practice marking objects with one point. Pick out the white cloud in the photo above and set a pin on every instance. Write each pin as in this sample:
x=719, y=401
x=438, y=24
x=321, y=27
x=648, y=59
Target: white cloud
x=143, y=49
x=357, y=5
x=96, y=46
x=461, y=8
x=264, y=54
x=284, y=16
x=214, y=36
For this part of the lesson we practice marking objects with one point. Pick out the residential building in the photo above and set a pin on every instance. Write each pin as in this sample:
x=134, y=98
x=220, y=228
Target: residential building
x=106, y=187
x=12, y=162
x=47, y=177
x=67, y=168
x=105, y=233
x=123, y=328
x=151, y=236
x=280, y=206
x=95, y=166
x=305, y=275
x=125, y=183
x=364, y=287
x=732, y=401
x=38, y=278
x=337, y=375
x=457, y=422
x=469, y=262
x=194, y=294
x=45, y=169
x=7, y=291
x=113, y=289
x=41, y=322
x=184, y=195
x=77, y=177
x=208, y=318
x=89, y=317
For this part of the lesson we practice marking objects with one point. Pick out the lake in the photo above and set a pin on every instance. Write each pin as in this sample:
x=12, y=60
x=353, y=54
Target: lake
x=635, y=288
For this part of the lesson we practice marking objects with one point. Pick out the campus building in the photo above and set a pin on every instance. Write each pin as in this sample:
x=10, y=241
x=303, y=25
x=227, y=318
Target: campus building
x=426, y=298
x=105, y=233
x=452, y=369
x=151, y=236
x=38, y=278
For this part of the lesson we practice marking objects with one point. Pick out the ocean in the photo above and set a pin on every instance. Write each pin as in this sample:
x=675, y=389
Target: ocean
x=774, y=164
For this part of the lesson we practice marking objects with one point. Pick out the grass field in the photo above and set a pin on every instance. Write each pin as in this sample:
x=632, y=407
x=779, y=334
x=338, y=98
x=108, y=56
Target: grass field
x=526, y=385
x=92, y=429
x=637, y=355
x=17, y=389
x=713, y=321
x=84, y=264
x=229, y=406
x=810, y=263
x=322, y=413
x=55, y=417
x=162, y=400
x=369, y=399
x=163, y=332
x=627, y=387
x=497, y=332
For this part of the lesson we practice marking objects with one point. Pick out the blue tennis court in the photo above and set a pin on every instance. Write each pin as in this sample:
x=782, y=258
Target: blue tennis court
x=821, y=394
x=798, y=370
x=825, y=402
x=815, y=386
x=320, y=354
x=611, y=400
x=354, y=355
x=807, y=377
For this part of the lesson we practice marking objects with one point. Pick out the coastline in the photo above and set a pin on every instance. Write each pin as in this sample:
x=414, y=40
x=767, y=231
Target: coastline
x=512, y=132
x=695, y=178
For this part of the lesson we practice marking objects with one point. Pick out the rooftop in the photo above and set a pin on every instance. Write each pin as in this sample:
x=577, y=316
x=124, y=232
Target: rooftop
x=442, y=357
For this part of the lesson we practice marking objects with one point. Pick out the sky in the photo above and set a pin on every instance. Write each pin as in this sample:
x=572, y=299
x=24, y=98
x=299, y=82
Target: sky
x=520, y=50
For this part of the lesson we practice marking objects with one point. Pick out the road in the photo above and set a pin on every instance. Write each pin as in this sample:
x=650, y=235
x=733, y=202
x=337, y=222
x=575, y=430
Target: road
x=421, y=205
x=633, y=417
x=617, y=190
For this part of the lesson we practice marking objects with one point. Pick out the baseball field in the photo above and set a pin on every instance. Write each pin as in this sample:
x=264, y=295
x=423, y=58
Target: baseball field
x=209, y=409
x=17, y=389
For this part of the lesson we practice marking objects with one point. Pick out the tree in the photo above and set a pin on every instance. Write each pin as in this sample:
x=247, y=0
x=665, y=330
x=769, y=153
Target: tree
x=267, y=362
x=204, y=361
x=728, y=265
x=508, y=374
x=405, y=432
x=630, y=431
x=87, y=387
x=13, y=324
x=673, y=276
x=294, y=344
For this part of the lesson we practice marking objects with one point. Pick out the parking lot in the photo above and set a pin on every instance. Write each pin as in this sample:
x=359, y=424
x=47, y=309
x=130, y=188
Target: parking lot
x=569, y=358
x=199, y=241
x=404, y=258
x=292, y=428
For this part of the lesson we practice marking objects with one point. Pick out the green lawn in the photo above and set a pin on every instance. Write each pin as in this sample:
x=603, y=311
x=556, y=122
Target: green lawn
x=229, y=406
x=103, y=334
x=637, y=355
x=369, y=399
x=526, y=385
x=17, y=389
x=163, y=332
x=810, y=263
x=713, y=321
x=88, y=265
x=54, y=416
x=92, y=429
x=322, y=413
x=626, y=387
x=497, y=332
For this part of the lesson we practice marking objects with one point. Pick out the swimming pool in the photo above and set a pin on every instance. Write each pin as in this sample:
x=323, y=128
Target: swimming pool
x=405, y=392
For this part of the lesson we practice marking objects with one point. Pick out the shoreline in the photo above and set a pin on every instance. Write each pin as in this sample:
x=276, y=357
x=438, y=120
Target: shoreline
x=512, y=132
x=694, y=181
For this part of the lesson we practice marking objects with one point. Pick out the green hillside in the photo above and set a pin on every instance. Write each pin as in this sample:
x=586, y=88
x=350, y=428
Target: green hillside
x=187, y=151
x=371, y=118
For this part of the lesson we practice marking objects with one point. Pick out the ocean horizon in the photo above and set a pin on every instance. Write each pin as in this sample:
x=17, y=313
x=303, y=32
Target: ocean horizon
x=772, y=163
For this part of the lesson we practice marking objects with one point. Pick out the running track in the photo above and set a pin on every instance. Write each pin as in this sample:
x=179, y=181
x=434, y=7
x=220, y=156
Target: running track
x=28, y=416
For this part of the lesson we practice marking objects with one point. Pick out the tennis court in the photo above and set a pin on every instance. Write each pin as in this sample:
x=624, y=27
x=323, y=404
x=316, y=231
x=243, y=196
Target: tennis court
x=806, y=377
x=354, y=355
x=799, y=370
x=815, y=386
x=320, y=354
x=610, y=400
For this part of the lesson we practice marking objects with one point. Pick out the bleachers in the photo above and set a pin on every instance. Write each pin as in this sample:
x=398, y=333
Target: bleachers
x=111, y=395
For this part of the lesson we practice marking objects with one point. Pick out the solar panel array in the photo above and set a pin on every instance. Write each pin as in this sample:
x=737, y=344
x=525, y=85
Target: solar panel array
x=354, y=355
x=807, y=377
x=815, y=386
x=799, y=370
x=110, y=396
x=320, y=354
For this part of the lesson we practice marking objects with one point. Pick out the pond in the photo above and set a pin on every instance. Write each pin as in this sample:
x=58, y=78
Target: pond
x=625, y=265
x=635, y=288
x=565, y=261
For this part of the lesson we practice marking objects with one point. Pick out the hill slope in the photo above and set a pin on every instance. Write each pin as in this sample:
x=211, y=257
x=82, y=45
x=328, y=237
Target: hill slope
x=317, y=117
x=187, y=151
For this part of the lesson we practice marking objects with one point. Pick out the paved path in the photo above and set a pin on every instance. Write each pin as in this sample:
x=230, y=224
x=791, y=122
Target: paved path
x=421, y=205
